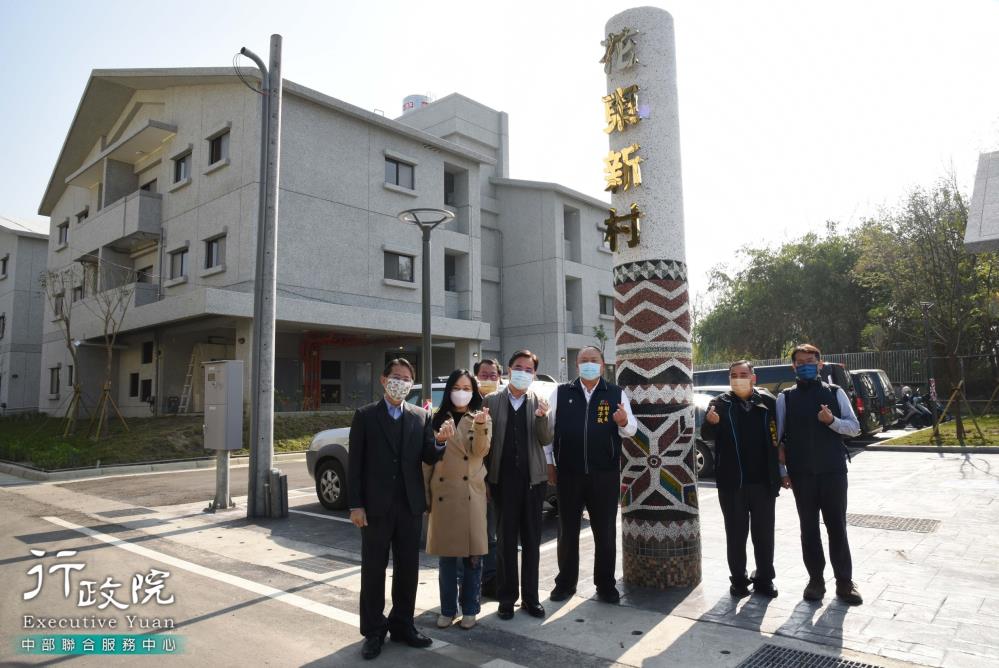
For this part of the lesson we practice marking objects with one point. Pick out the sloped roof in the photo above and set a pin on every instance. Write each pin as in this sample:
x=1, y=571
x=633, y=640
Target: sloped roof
x=108, y=92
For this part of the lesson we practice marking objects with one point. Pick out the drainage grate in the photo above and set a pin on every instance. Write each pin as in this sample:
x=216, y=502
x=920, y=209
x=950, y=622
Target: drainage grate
x=772, y=656
x=324, y=563
x=125, y=512
x=893, y=523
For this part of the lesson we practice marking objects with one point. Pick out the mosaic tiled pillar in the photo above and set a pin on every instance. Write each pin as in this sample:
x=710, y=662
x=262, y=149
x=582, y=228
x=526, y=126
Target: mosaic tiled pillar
x=661, y=532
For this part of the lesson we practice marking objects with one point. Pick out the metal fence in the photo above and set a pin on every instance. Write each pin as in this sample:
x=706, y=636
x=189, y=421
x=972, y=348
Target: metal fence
x=904, y=367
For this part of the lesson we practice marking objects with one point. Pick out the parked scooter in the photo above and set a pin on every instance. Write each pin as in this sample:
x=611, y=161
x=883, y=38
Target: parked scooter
x=911, y=411
x=933, y=406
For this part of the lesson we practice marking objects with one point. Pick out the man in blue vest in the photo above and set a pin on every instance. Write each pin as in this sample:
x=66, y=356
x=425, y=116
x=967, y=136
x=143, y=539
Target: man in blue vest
x=588, y=417
x=812, y=419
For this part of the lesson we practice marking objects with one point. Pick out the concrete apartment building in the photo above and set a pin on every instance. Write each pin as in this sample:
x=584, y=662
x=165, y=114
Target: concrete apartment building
x=22, y=304
x=156, y=187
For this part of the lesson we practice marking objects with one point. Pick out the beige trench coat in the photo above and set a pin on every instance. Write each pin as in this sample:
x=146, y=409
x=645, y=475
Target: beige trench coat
x=456, y=493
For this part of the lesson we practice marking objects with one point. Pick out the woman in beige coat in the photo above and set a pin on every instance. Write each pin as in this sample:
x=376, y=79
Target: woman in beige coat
x=456, y=496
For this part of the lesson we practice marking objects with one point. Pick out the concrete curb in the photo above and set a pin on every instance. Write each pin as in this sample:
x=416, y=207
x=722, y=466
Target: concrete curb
x=982, y=450
x=185, y=465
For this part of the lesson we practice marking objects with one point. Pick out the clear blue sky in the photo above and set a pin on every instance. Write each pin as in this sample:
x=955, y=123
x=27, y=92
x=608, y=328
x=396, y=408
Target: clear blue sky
x=791, y=113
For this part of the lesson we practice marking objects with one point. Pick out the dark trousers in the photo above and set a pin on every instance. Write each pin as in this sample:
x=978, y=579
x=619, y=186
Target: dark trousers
x=825, y=493
x=399, y=529
x=598, y=493
x=518, y=516
x=749, y=510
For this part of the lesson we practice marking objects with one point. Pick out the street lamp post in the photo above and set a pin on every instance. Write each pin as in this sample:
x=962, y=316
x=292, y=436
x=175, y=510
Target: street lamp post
x=426, y=220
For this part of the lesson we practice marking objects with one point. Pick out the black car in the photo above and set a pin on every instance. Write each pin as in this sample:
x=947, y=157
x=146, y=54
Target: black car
x=886, y=393
x=867, y=402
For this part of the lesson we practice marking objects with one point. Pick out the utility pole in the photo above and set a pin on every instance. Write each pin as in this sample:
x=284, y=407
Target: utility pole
x=930, y=380
x=265, y=284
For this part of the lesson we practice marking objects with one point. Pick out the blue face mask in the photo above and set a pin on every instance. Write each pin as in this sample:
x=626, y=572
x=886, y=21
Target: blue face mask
x=807, y=371
x=589, y=370
x=521, y=379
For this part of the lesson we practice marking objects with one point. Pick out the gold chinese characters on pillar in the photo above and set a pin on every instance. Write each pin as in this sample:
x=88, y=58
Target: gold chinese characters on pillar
x=615, y=227
x=621, y=169
x=621, y=111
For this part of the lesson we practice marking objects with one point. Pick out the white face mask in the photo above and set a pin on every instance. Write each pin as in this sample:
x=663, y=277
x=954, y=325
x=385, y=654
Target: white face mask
x=397, y=389
x=460, y=398
x=521, y=379
x=741, y=386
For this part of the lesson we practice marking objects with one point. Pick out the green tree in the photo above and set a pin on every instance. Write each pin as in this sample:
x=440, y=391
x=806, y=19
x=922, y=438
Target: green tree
x=802, y=291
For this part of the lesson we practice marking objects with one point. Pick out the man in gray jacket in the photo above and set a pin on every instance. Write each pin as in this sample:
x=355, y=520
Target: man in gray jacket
x=517, y=477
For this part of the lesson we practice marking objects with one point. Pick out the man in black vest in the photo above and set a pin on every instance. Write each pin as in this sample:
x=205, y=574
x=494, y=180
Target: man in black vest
x=589, y=416
x=389, y=440
x=742, y=424
x=812, y=419
x=517, y=477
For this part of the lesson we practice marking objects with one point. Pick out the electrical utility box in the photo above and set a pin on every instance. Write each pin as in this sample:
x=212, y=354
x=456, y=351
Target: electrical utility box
x=223, y=428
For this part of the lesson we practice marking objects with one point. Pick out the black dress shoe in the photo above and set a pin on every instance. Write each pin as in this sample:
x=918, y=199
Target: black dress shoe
x=611, y=595
x=413, y=638
x=533, y=609
x=739, y=590
x=561, y=593
x=372, y=646
x=765, y=589
x=505, y=612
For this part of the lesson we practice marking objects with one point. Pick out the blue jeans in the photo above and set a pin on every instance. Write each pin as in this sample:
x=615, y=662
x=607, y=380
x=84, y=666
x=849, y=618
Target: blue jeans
x=471, y=579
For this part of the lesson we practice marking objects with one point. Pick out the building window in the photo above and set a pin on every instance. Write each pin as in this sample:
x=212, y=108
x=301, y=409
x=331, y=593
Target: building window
x=218, y=148
x=144, y=275
x=82, y=216
x=3, y=324
x=606, y=305
x=63, y=233
x=399, y=174
x=147, y=352
x=54, y=380
x=3, y=265
x=449, y=197
x=398, y=267
x=182, y=167
x=78, y=293
x=215, y=252
x=69, y=376
x=178, y=263
x=100, y=196
x=451, y=273
x=133, y=384
x=57, y=305
x=149, y=186
x=146, y=393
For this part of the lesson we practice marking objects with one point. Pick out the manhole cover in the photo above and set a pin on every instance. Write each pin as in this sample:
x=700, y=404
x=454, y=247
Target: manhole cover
x=772, y=656
x=125, y=512
x=321, y=564
x=893, y=523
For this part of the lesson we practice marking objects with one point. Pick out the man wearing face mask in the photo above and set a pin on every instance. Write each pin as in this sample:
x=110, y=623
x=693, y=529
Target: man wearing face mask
x=589, y=417
x=487, y=375
x=389, y=440
x=517, y=477
x=812, y=419
x=742, y=424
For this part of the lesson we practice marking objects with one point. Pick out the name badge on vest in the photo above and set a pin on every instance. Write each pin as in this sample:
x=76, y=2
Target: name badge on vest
x=603, y=411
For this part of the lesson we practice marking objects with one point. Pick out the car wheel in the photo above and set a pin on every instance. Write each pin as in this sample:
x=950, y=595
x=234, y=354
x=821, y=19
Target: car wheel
x=331, y=485
x=703, y=460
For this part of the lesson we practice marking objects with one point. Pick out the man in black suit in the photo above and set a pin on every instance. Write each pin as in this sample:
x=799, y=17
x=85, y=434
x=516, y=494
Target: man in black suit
x=389, y=440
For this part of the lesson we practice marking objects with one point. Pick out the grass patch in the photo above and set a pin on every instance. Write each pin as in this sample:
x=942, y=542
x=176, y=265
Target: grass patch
x=948, y=433
x=37, y=440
